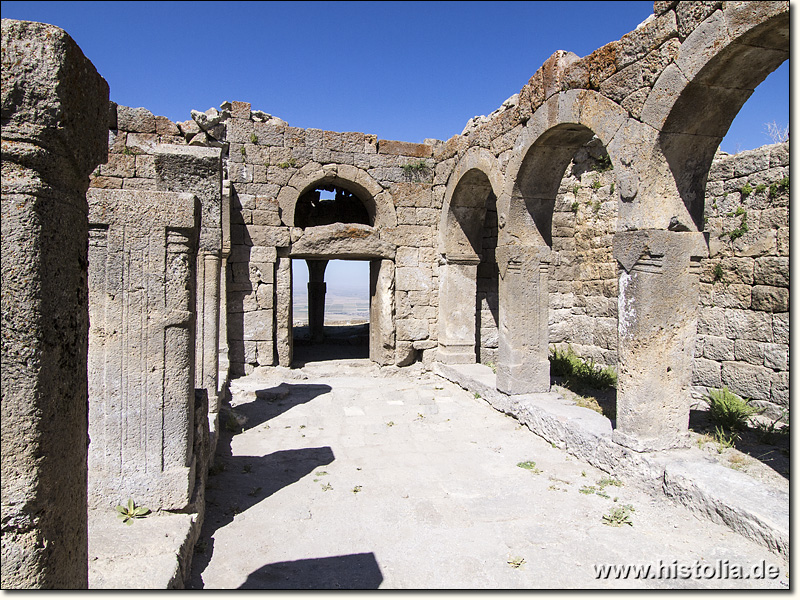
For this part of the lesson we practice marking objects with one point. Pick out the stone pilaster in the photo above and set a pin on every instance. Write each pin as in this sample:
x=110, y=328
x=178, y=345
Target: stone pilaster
x=141, y=348
x=658, y=307
x=523, y=366
x=55, y=115
x=284, y=342
x=381, y=311
x=457, y=306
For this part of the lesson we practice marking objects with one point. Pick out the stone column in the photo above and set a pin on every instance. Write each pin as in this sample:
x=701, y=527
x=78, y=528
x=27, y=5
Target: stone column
x=381, y=311
x=283, y=309
x=658, y=305
x=457, y=301
x=523, y=366
x=316, y=299
x=141, y=348
x=55, y=132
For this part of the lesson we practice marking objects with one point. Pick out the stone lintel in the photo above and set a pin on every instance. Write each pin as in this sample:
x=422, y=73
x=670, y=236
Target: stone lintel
x=342, y=240
x=404, y=149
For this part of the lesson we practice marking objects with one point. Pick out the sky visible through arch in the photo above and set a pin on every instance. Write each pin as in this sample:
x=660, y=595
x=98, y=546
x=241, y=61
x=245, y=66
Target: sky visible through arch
x=401, y=70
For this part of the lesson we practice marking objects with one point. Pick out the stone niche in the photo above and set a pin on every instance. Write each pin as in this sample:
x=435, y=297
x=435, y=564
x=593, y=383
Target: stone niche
x=142, y=273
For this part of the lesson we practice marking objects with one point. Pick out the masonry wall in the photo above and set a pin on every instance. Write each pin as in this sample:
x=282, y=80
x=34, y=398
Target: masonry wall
x=743, y=330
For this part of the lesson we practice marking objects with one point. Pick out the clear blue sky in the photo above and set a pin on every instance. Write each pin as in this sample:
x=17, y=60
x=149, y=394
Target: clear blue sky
x=400, y=70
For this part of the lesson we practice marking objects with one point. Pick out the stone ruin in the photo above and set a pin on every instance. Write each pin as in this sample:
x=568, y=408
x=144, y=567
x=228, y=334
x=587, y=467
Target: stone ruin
x=146, y=262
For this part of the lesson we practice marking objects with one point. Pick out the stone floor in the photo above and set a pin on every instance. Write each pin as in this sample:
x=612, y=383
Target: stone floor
x=342, y=475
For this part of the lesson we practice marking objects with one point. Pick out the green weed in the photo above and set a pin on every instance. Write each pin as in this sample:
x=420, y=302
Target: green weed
x=578, y=373
x=529, y=465
x=619, y=516
x=728, y=410
x=131, y=511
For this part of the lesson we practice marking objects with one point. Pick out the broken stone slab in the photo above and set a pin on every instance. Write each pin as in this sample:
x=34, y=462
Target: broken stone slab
x=155, y=552
x=342, y=240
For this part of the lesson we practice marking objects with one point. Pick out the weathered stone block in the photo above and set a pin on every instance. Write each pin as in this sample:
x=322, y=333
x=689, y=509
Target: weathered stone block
x=749, y=351
x=404, y=149
x=707, y=373
x=772, y=270
x=780, y=389
x=412, y=329
x=776, y=356
x=780, y=328
x=748, y=325
x=718, y=348
x=770, y=299
x=747, y=380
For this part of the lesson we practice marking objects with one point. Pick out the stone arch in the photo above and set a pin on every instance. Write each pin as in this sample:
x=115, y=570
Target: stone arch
x=544, y=150
x=696, y=98
x=375, y=199
x=476, y=176
x=471, y=188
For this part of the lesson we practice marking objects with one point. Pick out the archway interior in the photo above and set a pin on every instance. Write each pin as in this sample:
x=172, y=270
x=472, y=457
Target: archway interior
x=565, y=196
x=329, y=203
x=331, y=309
x=708, y=105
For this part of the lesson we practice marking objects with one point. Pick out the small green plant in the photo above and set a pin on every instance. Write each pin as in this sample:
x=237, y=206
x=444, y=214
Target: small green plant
x=772, y=432
x=619, y=516
x=128, y=151
x=516, y=562
x=728, y=410
x=356, y=489
x=725, y=439
x=746, y=190
x=327, y=487
x=575, y=189
x=476, y=395
x=574, y=206
x=583, y=473
x=611, y=191
x=606, y=481
x=253, y=138
x=131, y=511
x=587, y=490
x=244, y=153
x=321, y=473
x=579, y=373
x=492, y=366
x=603, y=163
x=390, y=424
x=529, y=465
x=760, y=188
x=739, y=211
x=717, y=272
x=415, y=168
x=778, y=186
x=596, y=185
x=286, y=164
x=596, y=205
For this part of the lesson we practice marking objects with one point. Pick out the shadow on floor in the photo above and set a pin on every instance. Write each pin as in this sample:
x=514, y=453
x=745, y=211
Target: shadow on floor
x=271, y=402
x=237, y=483
x=349, y=572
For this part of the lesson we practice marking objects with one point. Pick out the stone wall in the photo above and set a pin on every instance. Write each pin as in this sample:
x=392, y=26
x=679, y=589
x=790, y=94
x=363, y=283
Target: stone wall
x=743, y=330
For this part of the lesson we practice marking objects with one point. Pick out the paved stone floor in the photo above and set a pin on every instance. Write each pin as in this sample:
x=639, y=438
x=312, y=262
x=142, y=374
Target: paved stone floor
x=346, y=476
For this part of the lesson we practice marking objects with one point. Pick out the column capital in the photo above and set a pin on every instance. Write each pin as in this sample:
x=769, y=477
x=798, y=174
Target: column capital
x=631, y=247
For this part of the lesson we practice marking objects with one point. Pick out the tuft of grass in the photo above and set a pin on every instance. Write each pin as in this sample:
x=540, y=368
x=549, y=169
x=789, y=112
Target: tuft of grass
x=724, y=439
x=718, y=272
x=578, y=373
x=253, y=138
x=619, y=516
x=574, y=206
x=356, y=489
x=529, y=465
x=778, y=186
x=728, y=410
x=771, y=433
x=606, y=481
x=516, y=562
x=603, y=163
x=596, y=185
x=746, y=190
x=587, y=490
x=760, y=188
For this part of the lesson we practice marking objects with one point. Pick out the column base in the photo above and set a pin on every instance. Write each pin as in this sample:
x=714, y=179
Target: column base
x=523, y=379
x=657, y=444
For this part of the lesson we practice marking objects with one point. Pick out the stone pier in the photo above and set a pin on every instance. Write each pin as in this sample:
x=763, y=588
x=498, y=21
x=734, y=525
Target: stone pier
x=55, y=111
x=658, y=307
x=457, y=303
x=316, y=299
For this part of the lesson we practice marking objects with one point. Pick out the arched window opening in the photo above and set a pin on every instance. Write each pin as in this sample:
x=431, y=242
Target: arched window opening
x=326, y=204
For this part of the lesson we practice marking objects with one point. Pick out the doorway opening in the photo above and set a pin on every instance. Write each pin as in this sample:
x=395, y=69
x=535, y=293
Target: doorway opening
x=331, y=308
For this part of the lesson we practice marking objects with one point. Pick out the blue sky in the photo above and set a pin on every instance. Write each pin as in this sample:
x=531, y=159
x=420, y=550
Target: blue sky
x=400, y=70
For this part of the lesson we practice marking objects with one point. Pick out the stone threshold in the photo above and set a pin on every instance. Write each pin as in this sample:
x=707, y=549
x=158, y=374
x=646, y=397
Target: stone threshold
x=684, y=476
x=154, y=552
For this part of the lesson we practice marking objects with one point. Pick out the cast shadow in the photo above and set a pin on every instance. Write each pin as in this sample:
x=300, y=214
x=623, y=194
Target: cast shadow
x=271, y=402
x=236, y=484
x=348, y=572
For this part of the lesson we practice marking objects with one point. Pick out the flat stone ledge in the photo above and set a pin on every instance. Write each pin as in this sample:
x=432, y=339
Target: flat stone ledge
x=685, y=476
x=153, y=553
